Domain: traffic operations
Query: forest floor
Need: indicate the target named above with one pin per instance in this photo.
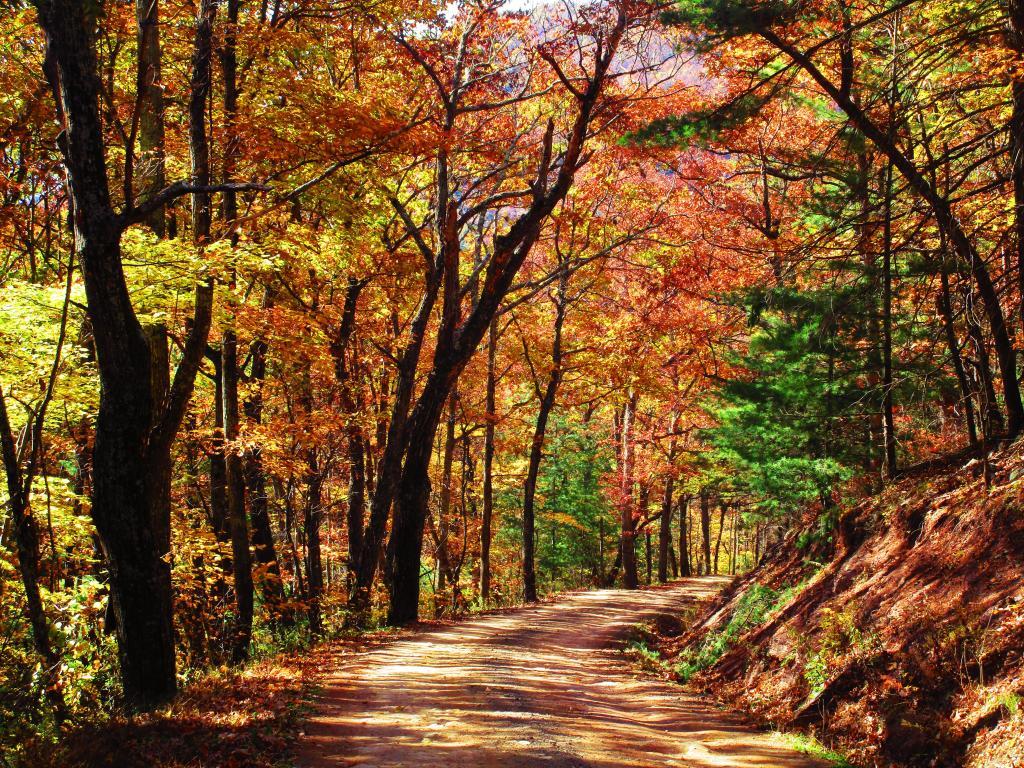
(540, 686)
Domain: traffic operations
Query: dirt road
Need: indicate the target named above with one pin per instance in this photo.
(541, 686)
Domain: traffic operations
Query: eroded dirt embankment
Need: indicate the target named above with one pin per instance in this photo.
(543, 686)
(904, 645)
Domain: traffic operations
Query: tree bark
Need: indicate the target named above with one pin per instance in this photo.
(627, 519)
(665, 530)
(133, 433)
(490, 417)
(547, 403)
(705, 531)
(685, 569)
(241, 559)
(151, 162)
(457, 340)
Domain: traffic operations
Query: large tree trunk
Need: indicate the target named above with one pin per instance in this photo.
(405, 547)
(389, 468)
(133, 434)
(457, 341)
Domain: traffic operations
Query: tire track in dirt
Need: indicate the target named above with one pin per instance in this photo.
(541, 686)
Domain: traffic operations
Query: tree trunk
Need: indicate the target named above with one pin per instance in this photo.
(888, 422)
(665, 531)
(649, 557)
(1015, 41)
(945, 309)
(685, 570)
(458, 339)
(241, 561)
(547, 403)
(271, 584)
(314, 561)
(944, 217)
(629, 571)
(723, 509)
(490, 417)
(344, 365)
(735, 541)
(442, 560)
(151, 166)
(705, 531)
(313, 517)
(219, 519)
(992, 417)
(26, 537)
(133, 434)
(389, 468)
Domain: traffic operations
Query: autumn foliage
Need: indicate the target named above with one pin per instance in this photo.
(321, 316)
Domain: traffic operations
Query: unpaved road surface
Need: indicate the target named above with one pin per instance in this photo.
(543, 686)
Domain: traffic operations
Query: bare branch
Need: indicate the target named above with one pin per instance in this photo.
(178, 189)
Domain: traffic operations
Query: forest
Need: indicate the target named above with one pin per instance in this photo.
(328, 321)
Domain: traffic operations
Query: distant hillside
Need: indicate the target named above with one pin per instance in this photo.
(904, 645)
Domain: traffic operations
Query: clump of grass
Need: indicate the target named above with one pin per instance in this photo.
(756, 604)
(809, 745)
(638, 647)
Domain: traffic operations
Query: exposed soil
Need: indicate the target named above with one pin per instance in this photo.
(912, 629)
(543, 686)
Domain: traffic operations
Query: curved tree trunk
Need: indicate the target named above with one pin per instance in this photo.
(944, 217)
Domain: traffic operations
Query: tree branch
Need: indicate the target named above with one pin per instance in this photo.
(169, 194)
